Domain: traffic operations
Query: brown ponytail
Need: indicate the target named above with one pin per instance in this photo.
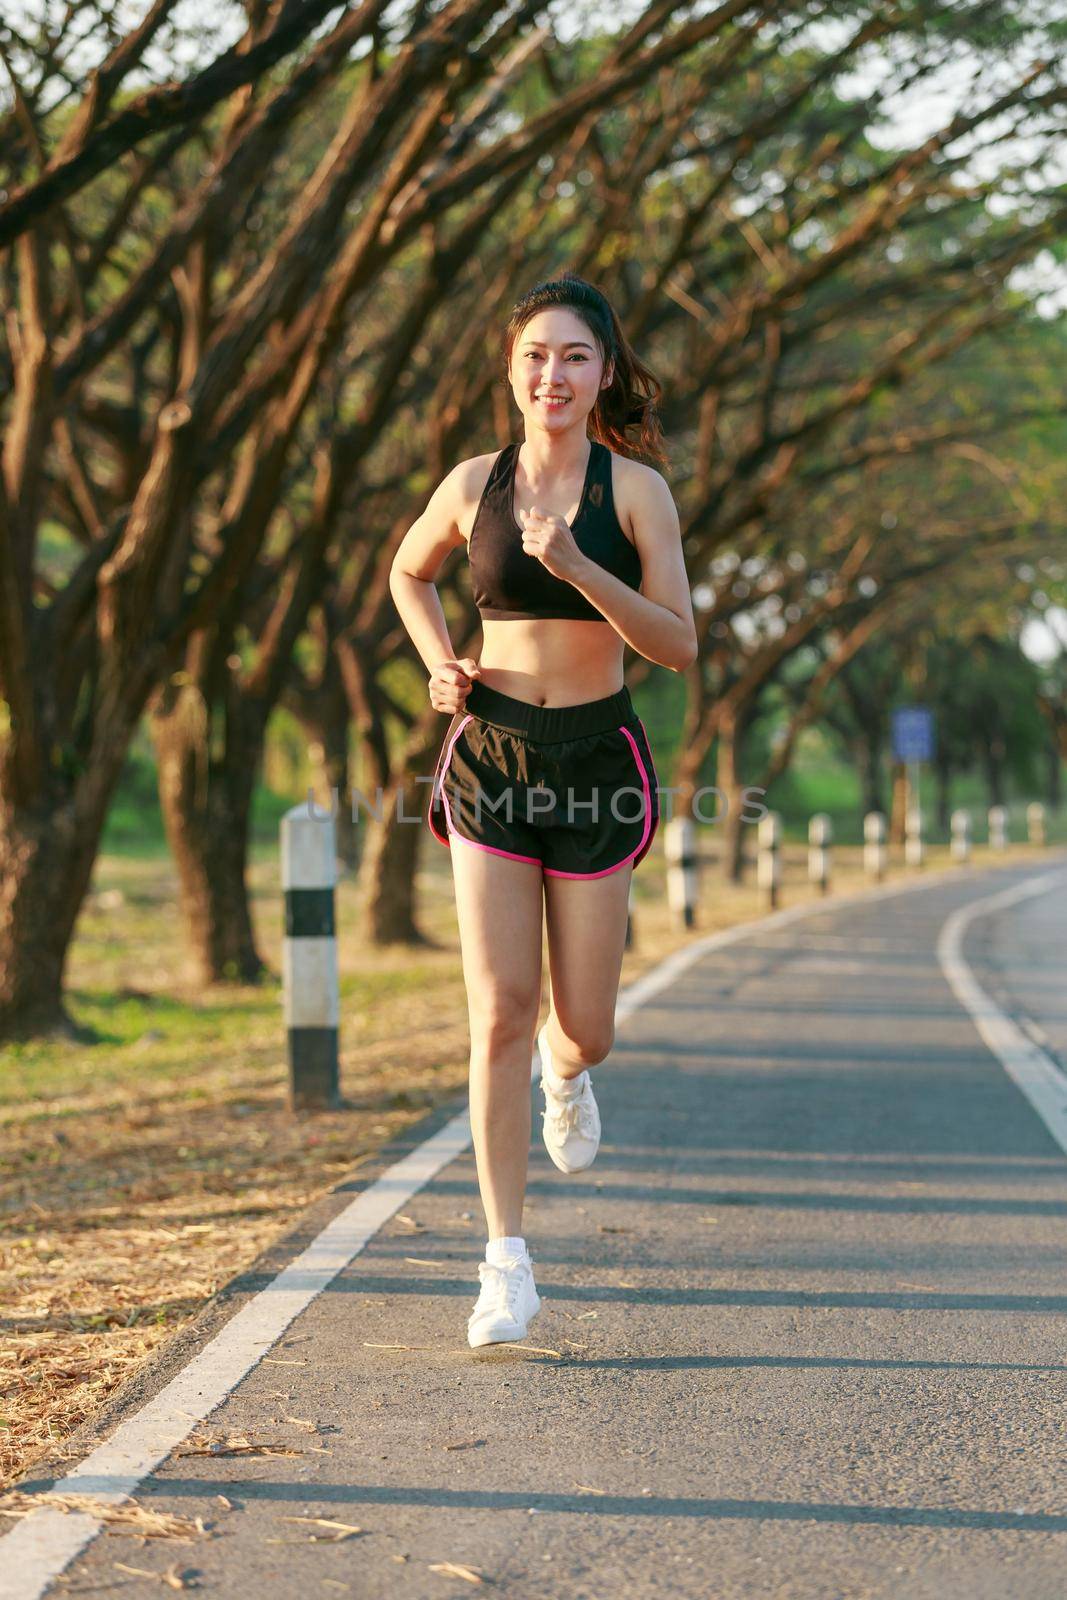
(629, 403)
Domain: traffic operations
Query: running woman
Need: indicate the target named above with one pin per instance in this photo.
(545, 786)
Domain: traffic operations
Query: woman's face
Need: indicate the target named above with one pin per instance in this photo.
(556, 355)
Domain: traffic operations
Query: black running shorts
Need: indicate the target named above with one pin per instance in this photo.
(569, 788)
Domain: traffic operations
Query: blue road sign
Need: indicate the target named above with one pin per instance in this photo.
(913, 733)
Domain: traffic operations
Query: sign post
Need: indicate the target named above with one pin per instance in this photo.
(913, 742)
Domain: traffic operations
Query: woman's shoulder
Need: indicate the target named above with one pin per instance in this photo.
(470, 479)
(475, 467)
(628, 469)
(633, 485)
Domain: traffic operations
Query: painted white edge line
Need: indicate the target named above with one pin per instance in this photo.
(1022, 1058)
(44, 1542)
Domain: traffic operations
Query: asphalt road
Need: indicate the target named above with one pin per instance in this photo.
(808, 1303)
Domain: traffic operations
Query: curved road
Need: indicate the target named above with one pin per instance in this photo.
(808, 1307)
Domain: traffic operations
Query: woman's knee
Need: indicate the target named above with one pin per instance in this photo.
(504, 1014)
(592, 1038)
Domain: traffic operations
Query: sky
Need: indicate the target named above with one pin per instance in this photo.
(1042, 642)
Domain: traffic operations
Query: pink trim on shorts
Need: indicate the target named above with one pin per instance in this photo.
(429, 822)
(437, 787)
(450, 825)
(554, 872)
(648, 741)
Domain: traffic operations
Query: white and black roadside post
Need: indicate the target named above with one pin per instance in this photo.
(875, 854)
(680, 847)
(914, 854)
(309, 964)
(769, 857)
(820, 836)
(961, 836)
(998, 827)
(1035, 822)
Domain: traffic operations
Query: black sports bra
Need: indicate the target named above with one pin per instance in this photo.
(508, 582)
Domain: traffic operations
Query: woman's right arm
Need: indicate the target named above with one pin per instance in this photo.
(412, 576)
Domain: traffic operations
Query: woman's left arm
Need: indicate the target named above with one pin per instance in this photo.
(657, 622)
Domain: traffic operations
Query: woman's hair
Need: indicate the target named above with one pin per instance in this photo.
(629, 401)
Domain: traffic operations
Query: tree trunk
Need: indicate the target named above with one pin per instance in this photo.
(728, 782)
(326, 717)
(46, 865)
(993, 761)
(943, 769)
(868, 760)
(390, 859)
(206, 806)
(335, 759)
(1054, 778)
(898, 812)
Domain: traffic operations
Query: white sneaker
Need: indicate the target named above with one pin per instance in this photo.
(570, 1123)
(507, 1303)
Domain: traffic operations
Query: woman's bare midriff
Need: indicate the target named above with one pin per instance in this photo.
(551, 661)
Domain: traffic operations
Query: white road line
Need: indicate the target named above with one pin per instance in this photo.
(36, 1550)
(1022, 1058)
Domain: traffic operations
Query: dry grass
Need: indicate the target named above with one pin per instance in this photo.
(140, 1173)
(127, 1516)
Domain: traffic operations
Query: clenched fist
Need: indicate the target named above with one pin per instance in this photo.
(450, 683)
(549, 538)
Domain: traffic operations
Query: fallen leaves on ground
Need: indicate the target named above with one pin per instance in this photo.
(122, 1516)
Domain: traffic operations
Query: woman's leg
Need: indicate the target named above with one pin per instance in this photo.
(586, 922)
(498, 903)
